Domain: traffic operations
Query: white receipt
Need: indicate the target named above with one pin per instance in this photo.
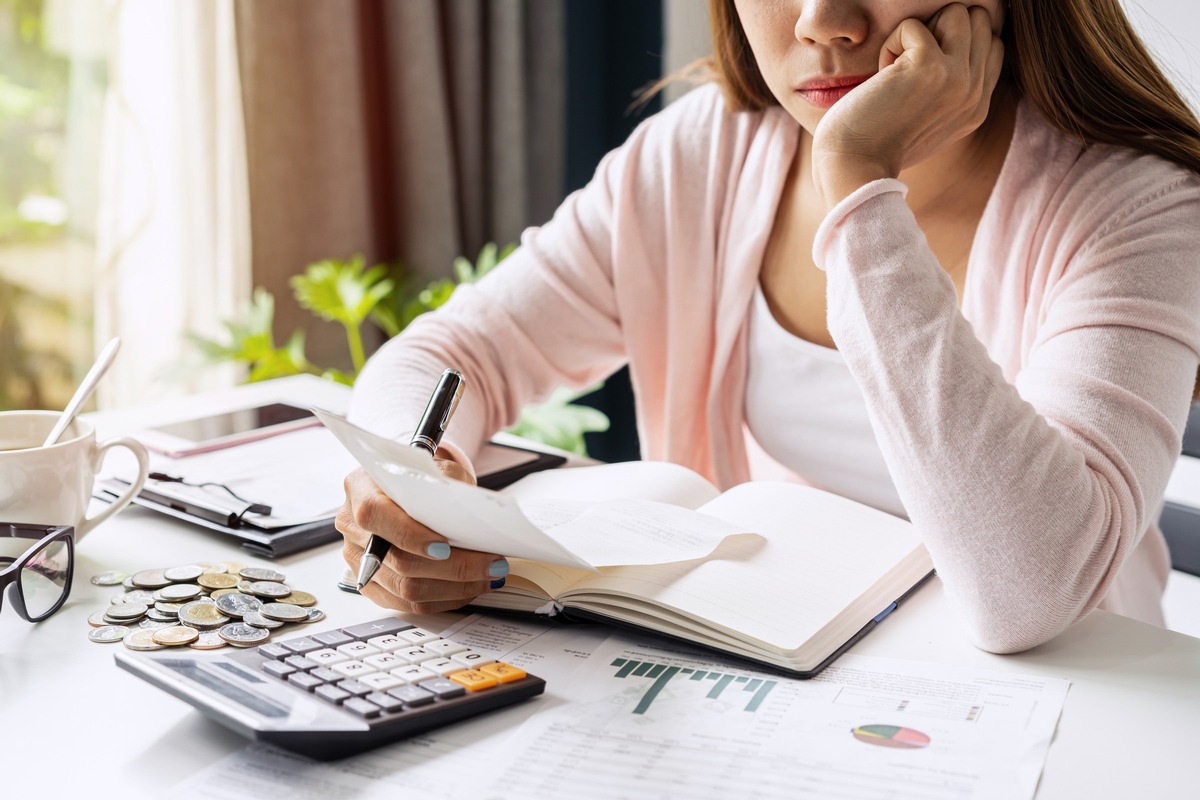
(585, 535)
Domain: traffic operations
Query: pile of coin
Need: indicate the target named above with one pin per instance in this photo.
(203, 605)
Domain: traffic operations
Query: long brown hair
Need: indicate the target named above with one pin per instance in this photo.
(1079, 62)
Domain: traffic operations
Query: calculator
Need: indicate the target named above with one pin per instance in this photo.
(332, 694)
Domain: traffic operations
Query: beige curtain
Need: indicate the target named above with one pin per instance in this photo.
(411, 130)
(172, 249)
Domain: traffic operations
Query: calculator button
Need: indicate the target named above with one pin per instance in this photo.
(354, 687)
(415, 655)
(301, 645)
(379, 627)
(357, 650)
(327, 675)
(301, 663)
(304, 681)
(387, 644)
(361, 707)
(444, 647)
(417, 635)
(442, 666)
(413, 696)
(474, 680)
(352, 669)
(332, 638)
(472, 659)
(278, 669)
(412, 674)
(384, 661)
(381, 681)
(386, 702)
(443, 688)
(274, 651)
(505, 673)
(327, 657)
(332, 694)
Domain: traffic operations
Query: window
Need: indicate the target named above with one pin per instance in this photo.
(52, 79)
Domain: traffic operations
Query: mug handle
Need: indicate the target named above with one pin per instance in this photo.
(143, 459)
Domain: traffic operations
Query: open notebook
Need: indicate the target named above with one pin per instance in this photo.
(782, 574)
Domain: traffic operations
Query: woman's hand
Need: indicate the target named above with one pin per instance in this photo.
(934, 86)
(421, 573)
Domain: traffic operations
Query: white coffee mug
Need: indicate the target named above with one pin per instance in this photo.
(53, 485)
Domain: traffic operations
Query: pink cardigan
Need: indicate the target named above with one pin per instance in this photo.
(1030, 435)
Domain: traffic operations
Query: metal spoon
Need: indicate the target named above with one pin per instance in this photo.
(84, 391)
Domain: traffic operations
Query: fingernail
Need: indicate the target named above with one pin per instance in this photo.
(499, 568)
(438, 550)
(497, 584)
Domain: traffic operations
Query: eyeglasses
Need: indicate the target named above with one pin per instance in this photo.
(39, 579)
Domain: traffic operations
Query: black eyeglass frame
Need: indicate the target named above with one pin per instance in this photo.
(11, 574)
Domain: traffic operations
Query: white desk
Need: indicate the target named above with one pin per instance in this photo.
(1127, 730)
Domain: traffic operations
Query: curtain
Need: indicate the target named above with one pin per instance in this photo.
(172, 221)
(404, 130)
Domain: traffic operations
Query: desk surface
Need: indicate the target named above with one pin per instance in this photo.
(1127, 730)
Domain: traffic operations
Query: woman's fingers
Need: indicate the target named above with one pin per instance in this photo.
(420, 595)
(369, 511)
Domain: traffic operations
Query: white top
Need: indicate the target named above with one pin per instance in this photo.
(806, 411)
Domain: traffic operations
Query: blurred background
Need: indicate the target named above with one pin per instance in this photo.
(162, 161)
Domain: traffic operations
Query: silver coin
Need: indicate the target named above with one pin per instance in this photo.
(239, 633)
(235, 605)
(109, 633)
(314, 615)
(158, 616)
(184, 574)
(167, 608)
(153, 624)
(150, 579)
(179, 592)
(110, 578)
(202, 615)
(97, 620)
(126, 611)
(128, 584)
(140, 596)
(268, 589)
(261, 574)
(256, 619)
(212, 569)
(284, 612)
(141, 640)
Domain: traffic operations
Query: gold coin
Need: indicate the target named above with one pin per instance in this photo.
(209, 640)
(218, 592)
(97, 620)
(299, 598)
(233, 566)
(176, 635)
(217, 580)
(211, 569)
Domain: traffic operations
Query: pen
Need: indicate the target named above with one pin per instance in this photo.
(427, 437)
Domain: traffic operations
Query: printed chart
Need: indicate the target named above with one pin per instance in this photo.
(649, 721)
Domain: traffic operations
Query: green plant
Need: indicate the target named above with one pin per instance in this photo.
(352, 295)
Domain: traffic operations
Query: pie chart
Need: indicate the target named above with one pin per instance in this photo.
(891, 736)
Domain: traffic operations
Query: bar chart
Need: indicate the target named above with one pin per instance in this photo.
(715, 682)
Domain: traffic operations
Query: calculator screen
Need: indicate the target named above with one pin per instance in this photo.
(260, 705)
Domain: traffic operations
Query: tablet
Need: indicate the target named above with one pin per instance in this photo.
(213, 432)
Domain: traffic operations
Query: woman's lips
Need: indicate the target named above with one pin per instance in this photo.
(825, 93)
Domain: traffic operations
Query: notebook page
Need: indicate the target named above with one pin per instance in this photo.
(821, 553)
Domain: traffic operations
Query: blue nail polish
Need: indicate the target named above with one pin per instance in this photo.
(439, 550)
(499, 568)
(499, 583)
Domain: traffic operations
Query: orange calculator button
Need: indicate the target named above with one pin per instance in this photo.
(475, 680)
(505, 673)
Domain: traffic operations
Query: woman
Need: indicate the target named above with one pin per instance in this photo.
(991, 211)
